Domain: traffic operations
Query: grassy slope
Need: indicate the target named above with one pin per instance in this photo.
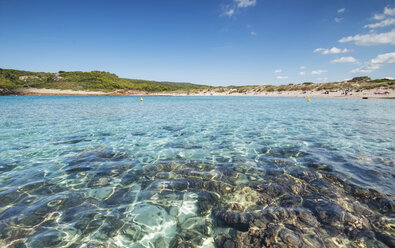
(104, 81)
(77, 80)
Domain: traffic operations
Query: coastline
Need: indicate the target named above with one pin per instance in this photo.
(372, 93)
(49, 92)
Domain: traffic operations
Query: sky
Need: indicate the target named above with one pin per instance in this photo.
(214, 42)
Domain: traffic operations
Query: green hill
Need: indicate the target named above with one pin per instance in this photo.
(77, 80)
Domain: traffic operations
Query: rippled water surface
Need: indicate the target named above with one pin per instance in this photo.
(104, 171)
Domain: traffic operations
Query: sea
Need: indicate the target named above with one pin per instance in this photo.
(114, 171)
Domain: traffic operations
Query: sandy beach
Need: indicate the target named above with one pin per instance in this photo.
(373, 93)
(37, 91)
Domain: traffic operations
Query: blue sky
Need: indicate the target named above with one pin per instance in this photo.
(216, 42)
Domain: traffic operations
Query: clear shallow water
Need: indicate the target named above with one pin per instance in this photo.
(196, 171)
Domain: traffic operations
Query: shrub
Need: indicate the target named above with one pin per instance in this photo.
(360, 79)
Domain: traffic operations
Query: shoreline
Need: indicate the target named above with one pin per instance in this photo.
(372, 93)
(369, 94)
(52, 92)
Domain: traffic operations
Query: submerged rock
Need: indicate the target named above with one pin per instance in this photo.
(100, 155)
(270, 201)
(51, 238)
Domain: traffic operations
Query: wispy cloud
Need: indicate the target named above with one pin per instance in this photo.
(339, 11)
(386, 18)
(231, 9)
(345, 60)
(229, 12)
(282, 77)
(278, 71)
(302, 73)
(333, 50)
(371, 39)
(379, 16)
(383, 23)
(253, 33)
(245, 3)
(387, 12)
(376, 63)
(302, 67)
(374, 38)
(318, 72)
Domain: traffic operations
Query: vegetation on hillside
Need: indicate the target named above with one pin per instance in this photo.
(108, 82)
(77, 80)
(358, 83)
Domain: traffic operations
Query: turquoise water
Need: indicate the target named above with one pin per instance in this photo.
(110, 171)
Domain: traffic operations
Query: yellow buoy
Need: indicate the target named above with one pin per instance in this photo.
(308, 99)
(141, 99)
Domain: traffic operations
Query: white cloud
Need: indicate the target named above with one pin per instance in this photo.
(374, 38)
(345, 60)
(318, 72)
(384, 23)
(245, 3)
(253, 33)
(282, 77)
(379, 16)
(371, 39)
(387, 12)
(338, 19)
(278, 71)
(341, 10)
(365, 69)
(229, 12)
(231, 9)
(302, 67)
(333, 50)
(376, 63)
(302, 73)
